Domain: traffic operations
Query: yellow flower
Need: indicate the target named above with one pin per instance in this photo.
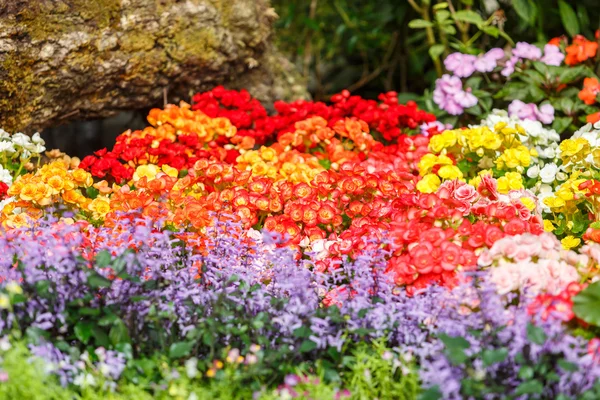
(170, 171)
(572, 147)
(149, 171)
(82, 177)
(450, 172)
(569, 242)
(4, 301)
(211, 373)
(548, 226)
(268, 153)
(56, 183)
(14, 288)
(528, 202)
(429, 183)
(554, 202)
(100, 206)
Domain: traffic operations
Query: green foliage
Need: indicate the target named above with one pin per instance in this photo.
(375, 46)
(586, 305)
(27, 378)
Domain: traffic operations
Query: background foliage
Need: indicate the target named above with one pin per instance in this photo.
(375, 46)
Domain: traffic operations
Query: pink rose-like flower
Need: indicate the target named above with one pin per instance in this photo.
(552, 55)
(465, 193)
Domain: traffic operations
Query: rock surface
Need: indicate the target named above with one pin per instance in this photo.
(78, 59)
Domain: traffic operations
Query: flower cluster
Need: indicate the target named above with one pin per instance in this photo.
(531, 264)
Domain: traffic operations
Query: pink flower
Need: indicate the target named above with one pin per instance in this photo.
(552, 55)
(488, 61)
(527, 51)
(461, 64)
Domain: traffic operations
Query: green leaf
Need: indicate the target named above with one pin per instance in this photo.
(530, 387)
(92, 192)
(468, 16)
(560, 124)
(570, 74)
(568, 18)
(83, 331)
(302, 332)
(100, 337)
(526, 372)
(419, 24)
(526, 10)
(586, 304)
(96, 280)
(491, 30)
(103, 258)
(491, 357)
(307, 345)
(567, 366)
(119, 334)
(436, 51)
(325, 164)
(431, 394)
(455, 348)
(442, 15)
(180, 349)
(535, 334)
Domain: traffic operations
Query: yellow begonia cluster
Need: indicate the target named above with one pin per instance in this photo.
(53, 183)
(480, 146)
(568, 195)
(288, 165)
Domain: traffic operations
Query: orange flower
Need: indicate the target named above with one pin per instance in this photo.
(591, 87)
(593, 118)
(580, 50)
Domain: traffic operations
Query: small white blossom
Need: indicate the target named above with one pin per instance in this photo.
(548, 173)
(533, 171)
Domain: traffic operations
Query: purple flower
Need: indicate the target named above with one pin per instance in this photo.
(545, 114)
(552, 55)
(461, 64)
(509, 66)
(488, 61)
(527, 51)
(450, 96)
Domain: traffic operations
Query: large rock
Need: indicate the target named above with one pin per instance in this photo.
(80, 59)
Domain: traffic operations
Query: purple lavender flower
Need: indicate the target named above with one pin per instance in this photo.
(461, 64)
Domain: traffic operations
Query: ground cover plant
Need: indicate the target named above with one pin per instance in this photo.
(350, 249)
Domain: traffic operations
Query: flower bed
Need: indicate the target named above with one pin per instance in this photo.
(357, 249)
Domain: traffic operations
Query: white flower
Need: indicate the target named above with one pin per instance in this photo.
(7, 147)
(191, 367)
(84, 380)
(37, 139)
(533, 171)
(5, 176)
(4, 134)
(35, 148)
(548, 173)
(5, 344)
(21, 139)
